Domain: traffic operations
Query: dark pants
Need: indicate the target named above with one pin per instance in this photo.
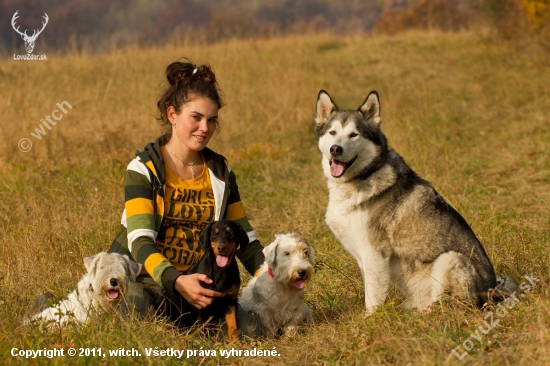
(146, 297)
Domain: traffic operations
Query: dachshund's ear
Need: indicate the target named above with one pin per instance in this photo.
(244, 240)
(204, 238)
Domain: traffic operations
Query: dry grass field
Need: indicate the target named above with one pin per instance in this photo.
(466, 112)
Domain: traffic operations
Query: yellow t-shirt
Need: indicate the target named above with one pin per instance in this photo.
(188, 209)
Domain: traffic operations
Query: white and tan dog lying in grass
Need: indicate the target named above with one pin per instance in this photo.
(276, 294)
(100, 289)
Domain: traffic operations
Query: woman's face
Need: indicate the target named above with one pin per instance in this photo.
(195, 124)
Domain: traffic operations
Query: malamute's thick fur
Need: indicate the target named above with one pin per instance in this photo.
(400, 230)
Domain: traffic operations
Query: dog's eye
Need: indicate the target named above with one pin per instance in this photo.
(287, 253)
(332, 133)
(352, 135)
(306, 254)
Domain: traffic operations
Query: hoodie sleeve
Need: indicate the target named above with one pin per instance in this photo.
(139, 218)
(253, 257)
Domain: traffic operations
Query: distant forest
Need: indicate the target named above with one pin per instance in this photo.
(99, 25)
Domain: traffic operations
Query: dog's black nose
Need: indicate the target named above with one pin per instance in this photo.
(336, 150)
(302, 272)
(113, 282)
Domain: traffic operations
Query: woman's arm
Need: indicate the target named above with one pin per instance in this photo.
(139, 219)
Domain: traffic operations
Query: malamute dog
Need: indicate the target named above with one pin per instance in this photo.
(400, 230)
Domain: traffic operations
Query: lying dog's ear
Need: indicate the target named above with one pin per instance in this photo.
(270, 253)
(88, 262)
(243, 237)
(204, 238)
(134, 267)
(91, 262)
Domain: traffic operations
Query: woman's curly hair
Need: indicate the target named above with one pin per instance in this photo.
(185, 81)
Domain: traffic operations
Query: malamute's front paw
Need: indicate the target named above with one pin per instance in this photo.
(370, 311)
(428, 309)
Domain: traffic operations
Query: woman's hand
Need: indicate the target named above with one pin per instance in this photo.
(190, 288)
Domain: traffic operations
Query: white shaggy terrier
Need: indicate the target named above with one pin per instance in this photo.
(276, 294)
(101, 288)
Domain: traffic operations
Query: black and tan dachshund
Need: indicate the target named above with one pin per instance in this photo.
(220, 241)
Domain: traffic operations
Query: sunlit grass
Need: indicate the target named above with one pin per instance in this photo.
(466, 113)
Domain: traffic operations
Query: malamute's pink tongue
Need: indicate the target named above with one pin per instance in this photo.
(300, 284)
(221, 261)
(112, 294)
(337, 168)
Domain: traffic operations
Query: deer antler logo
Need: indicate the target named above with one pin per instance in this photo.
(29, 41)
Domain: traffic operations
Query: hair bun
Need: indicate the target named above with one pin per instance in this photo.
(206, 74)
(185, 73)
(179, 73)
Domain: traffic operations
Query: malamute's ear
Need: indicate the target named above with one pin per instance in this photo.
(325, 107)
(371, 108)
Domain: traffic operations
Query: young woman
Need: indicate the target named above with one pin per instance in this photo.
(173, 189)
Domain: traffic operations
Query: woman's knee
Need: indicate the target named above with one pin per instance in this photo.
(248, 323)
(138, 299)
